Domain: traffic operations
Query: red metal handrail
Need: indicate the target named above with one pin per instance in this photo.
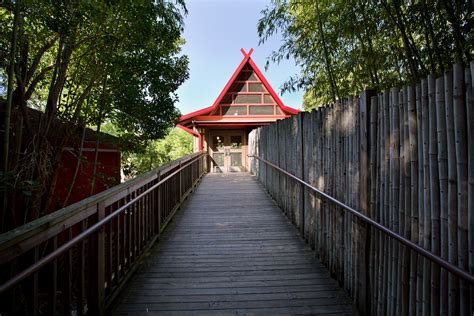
(420, 250)
(68, 245)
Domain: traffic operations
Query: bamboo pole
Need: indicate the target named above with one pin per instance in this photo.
(443, 190)
(427, 204)
(460, 135)
(335, 165)
(453, 286)
(350, 171)
(470, 168)
(419, 289)
(394, 195)
(337, 190)
(380, 196)
(385, 295)
(405, 296)
(373, 197)
(401, 201)
(330, 161)
(328, 185)
(354, 192)
(317, 152)
(319, 177)
(413, 140)
(325, 143)
(344, 188)
(434, 193)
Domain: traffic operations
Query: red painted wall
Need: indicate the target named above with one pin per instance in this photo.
(108, 173)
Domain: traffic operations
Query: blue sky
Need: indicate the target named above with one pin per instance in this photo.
(215, 30)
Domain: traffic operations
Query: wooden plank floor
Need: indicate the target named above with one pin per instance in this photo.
(230, 250)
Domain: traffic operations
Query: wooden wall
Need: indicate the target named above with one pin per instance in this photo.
(405, 158)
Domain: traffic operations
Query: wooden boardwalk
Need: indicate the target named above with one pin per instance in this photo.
(230, 250)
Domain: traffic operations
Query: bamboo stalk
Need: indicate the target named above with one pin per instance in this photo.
(434, 193)
(401, 201)
(443, 189)
(373, 198)
(427, 204)
(419, 118)
(386, 263)
(394, 195)
(344, 190)
(413, 140)
(470, 168)
(337, 190)
(355, 193)
(319, 178)
(405, 295)
(330, 134)
(460, 135)
(325, 143)
(453, 286)
(348, 170)
(380, 185)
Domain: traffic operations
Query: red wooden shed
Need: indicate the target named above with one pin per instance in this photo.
(246, 102)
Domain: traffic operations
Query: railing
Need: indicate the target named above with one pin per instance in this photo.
(420, 250)
(76, 260)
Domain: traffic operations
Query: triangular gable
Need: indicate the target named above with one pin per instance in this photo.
(247, 86)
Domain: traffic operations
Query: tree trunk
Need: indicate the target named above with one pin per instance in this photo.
(8, 108)
(76, 170)
(327, 58)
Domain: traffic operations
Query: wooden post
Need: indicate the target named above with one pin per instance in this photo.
(158, 205)
(363, 275)
(180, 184)
(300, 168)
(96, 295)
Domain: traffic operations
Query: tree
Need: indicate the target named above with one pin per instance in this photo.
(176, 144)
(83, 63)
(344, 47)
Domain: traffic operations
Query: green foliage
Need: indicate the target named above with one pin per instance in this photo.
(91, 61)
(86, 62)
(364, 44)
(176, 144)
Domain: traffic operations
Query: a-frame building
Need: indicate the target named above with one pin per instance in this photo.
(246, 102)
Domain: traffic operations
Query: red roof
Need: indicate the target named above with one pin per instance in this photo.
(247, 60)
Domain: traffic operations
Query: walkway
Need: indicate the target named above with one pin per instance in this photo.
(230, 250)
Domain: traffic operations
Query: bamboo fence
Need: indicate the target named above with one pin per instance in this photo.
(405, 158)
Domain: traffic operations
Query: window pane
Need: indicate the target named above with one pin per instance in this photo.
(218, 141)
(261, 110)
(247, 98)
(234, 110)
(218, 159)
(236, 142)
(236, 159)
